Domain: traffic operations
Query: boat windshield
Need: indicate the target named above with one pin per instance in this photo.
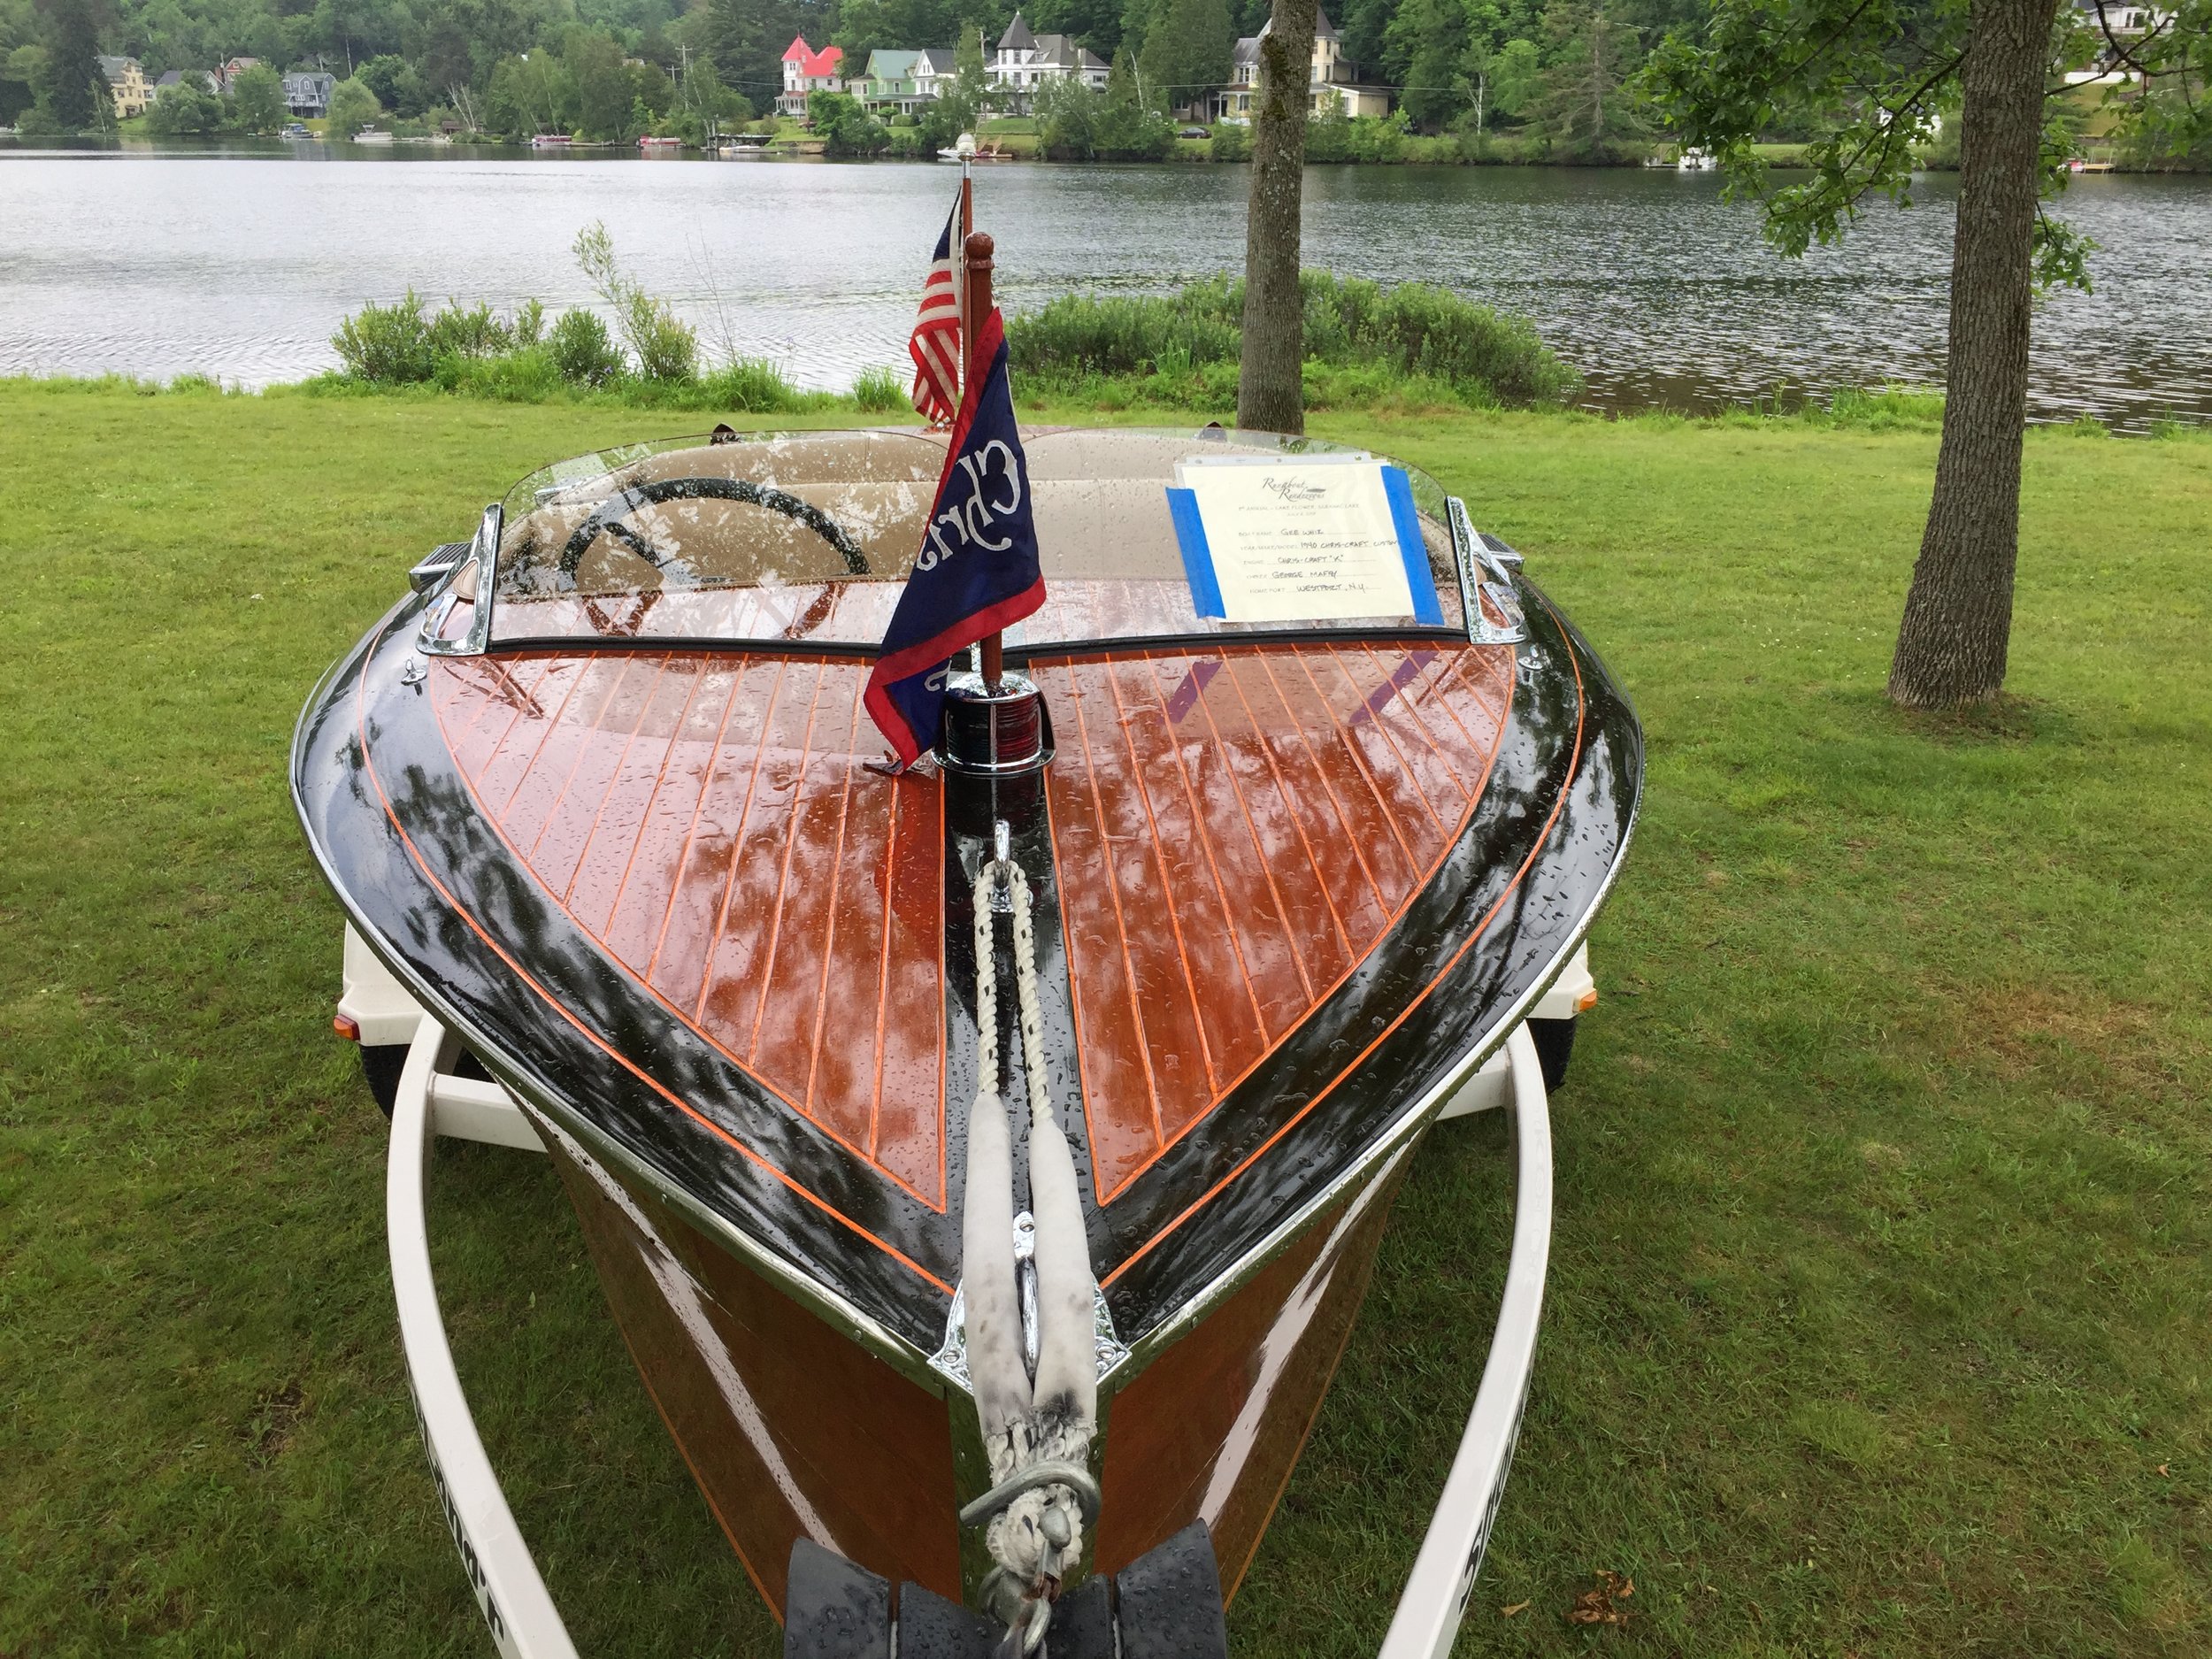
(805, 538)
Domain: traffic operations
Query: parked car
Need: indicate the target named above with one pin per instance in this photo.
(1194, 131)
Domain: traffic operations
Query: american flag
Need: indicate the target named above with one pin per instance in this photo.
(935, 343)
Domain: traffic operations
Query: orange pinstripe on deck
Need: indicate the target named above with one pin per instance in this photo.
(705, 818)
(1234, 832)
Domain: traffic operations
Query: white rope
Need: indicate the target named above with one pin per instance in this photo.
(1049, 1419)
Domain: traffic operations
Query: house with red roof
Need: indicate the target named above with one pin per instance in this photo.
(806, 70)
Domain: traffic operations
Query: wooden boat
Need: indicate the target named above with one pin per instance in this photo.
(605, 812)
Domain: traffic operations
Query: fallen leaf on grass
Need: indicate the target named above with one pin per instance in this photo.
(1602, 1606)
(2166, 1469)
(1518, 1607)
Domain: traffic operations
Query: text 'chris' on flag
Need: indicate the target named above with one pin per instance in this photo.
(976, 571)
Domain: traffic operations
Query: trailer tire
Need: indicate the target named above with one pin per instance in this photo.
(380, 1067)
(1555, 1041)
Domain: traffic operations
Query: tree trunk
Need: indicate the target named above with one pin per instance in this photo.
(1271, 393)
(1952, 644)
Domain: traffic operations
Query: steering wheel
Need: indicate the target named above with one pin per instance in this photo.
(609, 516)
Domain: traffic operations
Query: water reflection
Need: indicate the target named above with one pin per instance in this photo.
(240, 265)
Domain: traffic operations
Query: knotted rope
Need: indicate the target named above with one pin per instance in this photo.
(1037, 1429)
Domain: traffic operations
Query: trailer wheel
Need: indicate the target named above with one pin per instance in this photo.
(381, 1066)
(1555, 1041)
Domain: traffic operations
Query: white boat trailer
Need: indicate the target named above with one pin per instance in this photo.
(517, 1610)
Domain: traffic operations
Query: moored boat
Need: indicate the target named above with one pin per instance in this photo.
(1234, 897)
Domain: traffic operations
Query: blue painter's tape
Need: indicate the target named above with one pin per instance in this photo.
(1198, 559)
(1413, 546)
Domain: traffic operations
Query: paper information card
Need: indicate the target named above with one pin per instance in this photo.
(1304, 541)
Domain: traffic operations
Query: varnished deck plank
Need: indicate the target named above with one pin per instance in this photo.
(1249, 833)
(706, 819)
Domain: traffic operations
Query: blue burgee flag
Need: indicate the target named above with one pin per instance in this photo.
(976, 571)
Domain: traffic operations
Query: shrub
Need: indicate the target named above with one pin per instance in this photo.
(666, 347)
(1886, 408)
(387, 345)
(1080, 334)
(583, 352)
(188, 108)
(753, 386)
(1190, 343)
(879, 391)
(1232, 141)
(528, 374)
(846, 128)
(474, 332)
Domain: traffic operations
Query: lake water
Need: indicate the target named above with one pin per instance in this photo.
(240, 265)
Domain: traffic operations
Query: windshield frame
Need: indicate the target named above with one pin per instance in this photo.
(543, 484)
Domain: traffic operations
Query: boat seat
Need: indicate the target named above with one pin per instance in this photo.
(1164, 1605)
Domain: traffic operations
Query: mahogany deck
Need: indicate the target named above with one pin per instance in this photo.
(706, 819)
(1233, 829)
(1251, 822)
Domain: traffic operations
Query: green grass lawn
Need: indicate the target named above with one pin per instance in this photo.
(1877, 1320)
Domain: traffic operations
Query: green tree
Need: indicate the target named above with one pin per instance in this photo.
(1067, 118)
(75, 93)
(530, 95)
(258, 100)
(352, 107)
(968, 74)
(603, 87)
(1091, 24)
(1431, 38)
(838, 118)
(1188, 50)
(1128, 129)
(1877, 74)
(22, 72)
(183, 110)
(1516, 78)
(398, 87)
(1584, 109)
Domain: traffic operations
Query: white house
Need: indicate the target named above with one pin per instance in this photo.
(1026, 61)
(1333, 75)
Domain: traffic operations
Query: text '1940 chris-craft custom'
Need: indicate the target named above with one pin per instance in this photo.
(1230, 894)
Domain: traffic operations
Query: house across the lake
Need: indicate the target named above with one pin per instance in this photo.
(903, 83)
(127, 84)
(1333, 84)
(307, 94)
(227, 77)
(806, 71)
(198, 79)
(1026, 61)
